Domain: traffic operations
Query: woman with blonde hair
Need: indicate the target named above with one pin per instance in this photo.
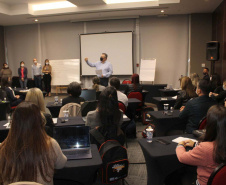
(28, 153)
(35, 96)
(195, 79)
(186, 93)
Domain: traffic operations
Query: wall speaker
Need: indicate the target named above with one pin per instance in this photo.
(212, 50)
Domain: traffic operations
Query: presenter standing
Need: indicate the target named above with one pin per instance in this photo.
(47, 69)
(103, 65)
(36, 72)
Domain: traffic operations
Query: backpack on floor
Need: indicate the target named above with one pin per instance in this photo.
(146, 118)
(114, 157)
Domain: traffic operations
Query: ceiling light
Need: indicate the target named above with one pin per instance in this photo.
(55, 5)
(126, 1)
(162, 11)
(36, 20)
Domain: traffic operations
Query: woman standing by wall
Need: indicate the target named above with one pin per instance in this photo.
(22, 72)
(47, 69)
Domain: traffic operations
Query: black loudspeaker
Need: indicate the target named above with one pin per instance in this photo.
(212, 50)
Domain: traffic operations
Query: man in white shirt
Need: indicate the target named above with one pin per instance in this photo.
(115, 82)
(36, 73)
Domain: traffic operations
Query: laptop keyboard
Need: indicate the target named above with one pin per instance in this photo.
(77, 152)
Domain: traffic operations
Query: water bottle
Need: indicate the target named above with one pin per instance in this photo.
(166, 108)
(171, 109)
(61, 101)
(56, 99)
(149, 132)
(66, 115)
(9, 121)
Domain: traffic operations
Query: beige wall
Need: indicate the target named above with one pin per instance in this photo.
(201, 33)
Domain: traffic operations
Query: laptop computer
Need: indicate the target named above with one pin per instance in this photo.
(89, 94)
(74, 141)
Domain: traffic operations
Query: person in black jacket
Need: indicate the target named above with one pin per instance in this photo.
(135, 86)
(219, 94)
(197, 108)
(22, 72)
(13, 99)
(186, 93)
(74, 90)
(206, 74)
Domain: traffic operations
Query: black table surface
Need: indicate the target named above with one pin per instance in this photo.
(160, 115)
(164, 99)
(161, 159)
(165, 123)
(133, 100)
(82, 170)
(168, 92)
(71, 121)
(3, 122)
(159, 101)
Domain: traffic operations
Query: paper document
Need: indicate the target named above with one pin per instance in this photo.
(54, 120)
(6, 125)
(174, 97)
(99, 72)
(124, 116)
(179, 139)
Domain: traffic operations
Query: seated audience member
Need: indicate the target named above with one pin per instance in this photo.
(206, 74)
(215, 81)
(74, 91)
(197, 108)
(96, 84)
(13, 99)
(28, 153)
(195, 79)
(186, 93)
(135, 86)
(107, 118)
(219, 94)
(115, 82)
(35, 96)
(209, 153)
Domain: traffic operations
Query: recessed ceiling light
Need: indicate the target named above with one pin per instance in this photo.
(55, 5)
(126, 1)
(162, 11)
(36, 20)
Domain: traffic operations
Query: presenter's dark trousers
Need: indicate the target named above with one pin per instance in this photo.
(47, 82)
(38, 81)
(104, 81)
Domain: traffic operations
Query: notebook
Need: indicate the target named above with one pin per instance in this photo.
(74, 141)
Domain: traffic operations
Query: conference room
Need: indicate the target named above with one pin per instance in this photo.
(161, 41)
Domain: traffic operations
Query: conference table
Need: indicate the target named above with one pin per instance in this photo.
(23, 92)
(169, 92)
(55, 108)
(4, 108)
(83, 171)
(161, 159)
(166, 122)
(160, 101)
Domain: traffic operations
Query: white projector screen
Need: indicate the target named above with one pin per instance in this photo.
(118, 46)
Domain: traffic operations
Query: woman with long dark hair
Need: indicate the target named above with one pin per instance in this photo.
(187, 92)
(135, 86)
(47, 69)
(28, 153)
(107, 117)
(211, 152)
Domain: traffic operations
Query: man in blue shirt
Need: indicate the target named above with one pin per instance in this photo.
(103, 65)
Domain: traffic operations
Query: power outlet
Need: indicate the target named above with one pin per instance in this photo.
(203, 65)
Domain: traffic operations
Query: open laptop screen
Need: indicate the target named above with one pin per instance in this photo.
(89, 95)
(72, 136)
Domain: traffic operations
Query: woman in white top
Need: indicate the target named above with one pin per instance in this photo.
(28, 153)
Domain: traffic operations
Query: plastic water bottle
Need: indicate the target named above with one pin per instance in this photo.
(149, 132)
(56, 99)
(171, 109)
(9, 121)
(66, 114)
